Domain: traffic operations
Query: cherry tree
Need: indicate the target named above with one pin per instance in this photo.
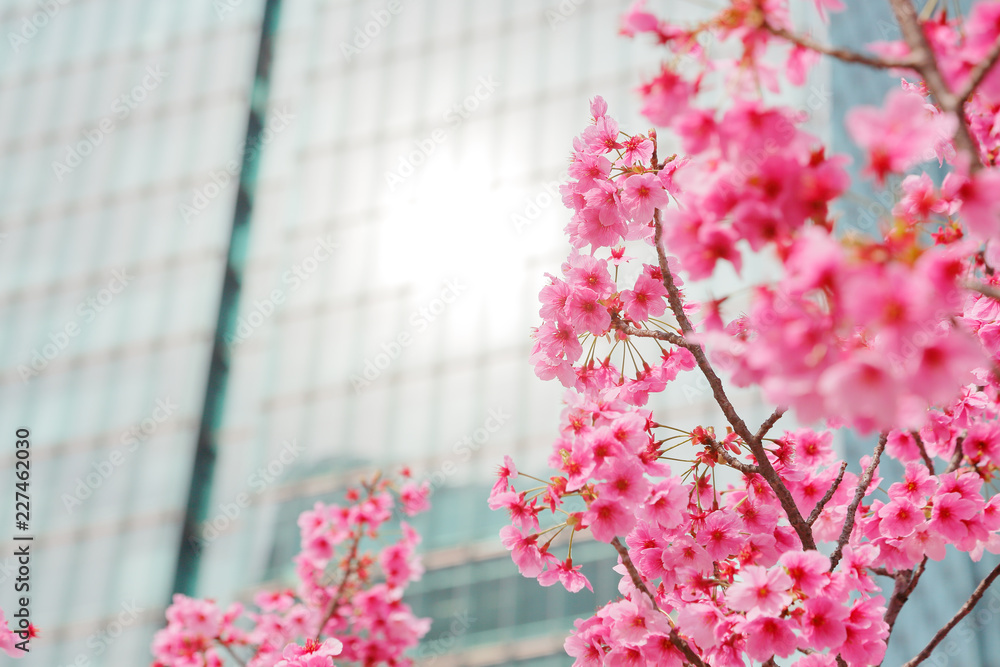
(749, 546)
(347, 604)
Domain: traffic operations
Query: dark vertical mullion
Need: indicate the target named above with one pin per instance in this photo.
(186, 574)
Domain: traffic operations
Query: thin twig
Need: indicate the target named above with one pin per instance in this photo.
(852, 509)
(230, 651)
(731, 461)
(962, 613)
(985, 290)
(668, 336)
(979, 72)
(814, 515)
(634, 573)
(769, 422)
(351, 562)
(928, 461)
(637, 581)
(680, 341)
(956, 458)
(844, 55)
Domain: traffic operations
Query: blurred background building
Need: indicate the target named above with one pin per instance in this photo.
(255, 248)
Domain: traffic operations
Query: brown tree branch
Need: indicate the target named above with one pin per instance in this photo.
(979, 73)
(985, 290)
(844, 55)
(668, 336)
(637, 581)
(928, 461)
(898, 597)
(852, 509)
(962, 613)
(906, 583)
(767, 471)
(768, 423)
(925, 64)
(814, 515)
(956, 458)
(230, 651)
(634, 573)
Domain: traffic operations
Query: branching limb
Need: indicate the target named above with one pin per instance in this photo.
(731, 461)
(668, 336)
(925, 64)
(769, 422)
(852, 509)
(767, 471)
(906, 583)
(962, 613)
(896, 600)
(979, 73)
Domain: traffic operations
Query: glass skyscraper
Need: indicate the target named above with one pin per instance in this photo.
(255, 248)
(113, 113)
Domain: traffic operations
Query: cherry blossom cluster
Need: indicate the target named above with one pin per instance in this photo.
(346, 606)
(867, 335)
(745, 546)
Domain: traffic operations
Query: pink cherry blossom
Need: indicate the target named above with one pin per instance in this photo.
(895, 331)
(566, 574)
(609, 518)
(768, 636)
(761, 589)
(642, 194)
(902, 134)
(823, 623)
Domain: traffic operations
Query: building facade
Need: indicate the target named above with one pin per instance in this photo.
(256, 248)
(112, 114)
